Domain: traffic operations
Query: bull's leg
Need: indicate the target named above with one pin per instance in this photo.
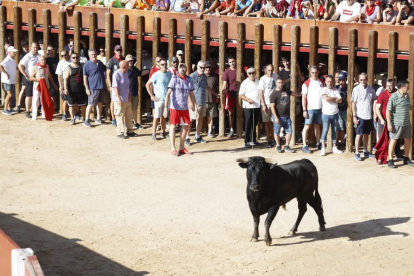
(318, 209)
(270, 216)
(302, 211)
(255, 236)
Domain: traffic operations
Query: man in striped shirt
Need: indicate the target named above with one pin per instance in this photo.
(398, 122)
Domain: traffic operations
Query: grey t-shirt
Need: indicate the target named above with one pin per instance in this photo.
(200, 84)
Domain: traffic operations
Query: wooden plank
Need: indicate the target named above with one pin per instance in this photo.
(124, 32)
(411, 92)
(171, 40)
(32, 22)
(372, 52)
(287, 28)
(353, 36)
(140, 41)
(46, 28)
(109, 29)
(9, 5)
(294, 79)
(333, 40)
(2, 31)
(392, 48)
(276, 47)
(156, 39)
(240, 76)
(313, 46)
(222, 53)
(92, 30)
(258, 40)
(17, 37)
(77, 17)
(205, 40)
(188, 44)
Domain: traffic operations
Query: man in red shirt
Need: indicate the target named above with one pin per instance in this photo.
(230, 89)
(381, 106)
(226, 7)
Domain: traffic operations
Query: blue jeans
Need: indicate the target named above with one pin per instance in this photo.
(284, 122)
(326, 121)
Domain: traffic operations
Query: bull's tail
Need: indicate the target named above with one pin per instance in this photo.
(319, 200)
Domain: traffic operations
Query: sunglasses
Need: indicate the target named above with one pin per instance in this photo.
(64, 55)
(163, 64)
(74, 57)
(202, 68)
(251, 73)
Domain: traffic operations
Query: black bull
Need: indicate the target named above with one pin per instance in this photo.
(270, 186)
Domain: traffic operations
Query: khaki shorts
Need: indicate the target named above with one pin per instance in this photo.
(134, 102)
(201, 112)
(400, 132)
(211, 110)
(158, 109)
(266, 117)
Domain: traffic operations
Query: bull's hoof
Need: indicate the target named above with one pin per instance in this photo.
(254, 240)
(269, 242)
(292, 233)
(322, 228)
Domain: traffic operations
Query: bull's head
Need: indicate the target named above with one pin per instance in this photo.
(258, 169)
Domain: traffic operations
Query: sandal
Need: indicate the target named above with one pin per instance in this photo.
(174, 152)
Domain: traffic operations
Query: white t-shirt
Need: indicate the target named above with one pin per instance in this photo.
(29, 61)
(268, 85)
(314, 94)
(347, 12)
(364, 98)
(9, 65)
(330, 108)
(41, 52)
(380, 90)
(251, 90)
(61, 67)
(373, 15)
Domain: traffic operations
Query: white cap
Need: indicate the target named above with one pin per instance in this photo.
(180, 52)
(11, 49)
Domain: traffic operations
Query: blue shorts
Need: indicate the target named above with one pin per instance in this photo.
(364, 126)
(341, 124)
(9, 87)
(314, 117)
(285, 122)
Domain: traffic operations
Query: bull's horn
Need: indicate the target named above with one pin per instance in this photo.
(270, 161)
(241, 160)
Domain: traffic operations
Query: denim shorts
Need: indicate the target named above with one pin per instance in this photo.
(285, 122)
(341, 124)
(314, 117)
(9, 87)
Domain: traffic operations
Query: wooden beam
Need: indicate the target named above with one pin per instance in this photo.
(156, 39)
(46, 28)
(205, 40)
(313, 46)
(294, 79)
(240, 76)
(411, 92)
(92, 31)
(372, 53)
(140, 42)
(276, 47)
(392, 49)
(172, 45)
(124, 33)
(222, 53)
(353, 36)
(31, 26)
(258, 31)
(333, 43)
(77, 23)
(188, 44)
(2, 31)
(17, 37)
(109, 29)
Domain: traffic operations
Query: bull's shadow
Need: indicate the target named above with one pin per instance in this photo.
(353, 231)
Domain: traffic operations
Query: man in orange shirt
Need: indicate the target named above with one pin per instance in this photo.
(226, 7)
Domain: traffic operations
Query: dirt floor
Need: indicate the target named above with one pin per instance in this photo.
(89, 203)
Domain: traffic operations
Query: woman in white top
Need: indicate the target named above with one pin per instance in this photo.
(389, 15)
(40, 71)
(308, 10)
(370, 13)
(330, 99)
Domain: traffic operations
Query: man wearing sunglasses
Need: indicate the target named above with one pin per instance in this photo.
(174, 68)
(112, 66)
(63, 63)
(102, 57)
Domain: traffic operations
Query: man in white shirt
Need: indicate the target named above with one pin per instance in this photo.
(60, 69)
(249, 93)
(267, 85)
(8, 78)
(25, 67)
(348, 10)
(312, 107)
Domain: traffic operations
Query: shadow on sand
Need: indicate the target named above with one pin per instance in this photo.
(59, 255)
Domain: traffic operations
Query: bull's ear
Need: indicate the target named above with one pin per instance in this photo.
(271, 166)
(243, 165)
(242, 162)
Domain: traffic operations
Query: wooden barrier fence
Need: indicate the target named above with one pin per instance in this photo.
(276, 35)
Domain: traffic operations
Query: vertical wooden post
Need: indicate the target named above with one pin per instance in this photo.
(140, 42)
(333, 32)
(294, 79)
(2, 40)
(156, 39)
(257, 63)
(109, 29)
(411, 92)
(171, 40)
(240, 76)
(31, 25)
(77, 23)
(353, 36)
(46, 28)
(205, 40)
(92, 30)
(62, 31)
(276, 47)
(372, 54)
(392, 48)
(222, 53)
(124, 33)
(314, 42)
(188, 44)
(17, 36)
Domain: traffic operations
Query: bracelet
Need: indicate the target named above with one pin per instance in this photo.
(305, 111)
(355, 116)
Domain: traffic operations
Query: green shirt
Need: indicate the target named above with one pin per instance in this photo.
(399, 106)
(83, 2)
(117, 3)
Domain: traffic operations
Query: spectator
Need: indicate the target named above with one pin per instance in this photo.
(102, 57)
(94, 80)
(161, 5)
(249, 93)
(389, 15)
(330, 99)
(60, 69)
(66, 4)
(256, 9)
(70, 47)
(281, 8)
(41, 50)
(112, 66)
(405, 15)
(122, 102)
(383, 86)
(348, 11)
(343, 106)
(212, 98)
(25, 50)
(337, 73)
(381, 105)
(270, 10)
(157, 87)
(178, 5)
(312, 107)
(281, 114)
(180, 89)
(267, 86)
(52, 62)
(74, 88)
(241, 6)
(230, 89)
(295, 10)
(308, 10)
(326, 9)
(398, 122)
(180, 56)
(25, 67)
(363, 97)
(226, 8)
(174, 68)
(207, 7)
(370, 13)
(8, 78)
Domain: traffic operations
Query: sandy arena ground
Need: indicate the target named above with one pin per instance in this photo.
(89, 203)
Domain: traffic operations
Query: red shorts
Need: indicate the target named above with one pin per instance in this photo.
(179, 117)
(231, 100)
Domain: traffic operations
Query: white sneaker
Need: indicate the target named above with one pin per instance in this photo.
(336, 150)
(323, 151)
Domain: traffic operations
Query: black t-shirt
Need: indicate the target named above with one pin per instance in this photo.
(52, 63)
(282, 101)
(113, 65)
(285, 75)
(343, 92)
(22, 54)
(133, 75)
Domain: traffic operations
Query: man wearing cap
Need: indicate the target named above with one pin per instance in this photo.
(25, 50)
(179, 89)
(343, 106)
(180, 56)
(8, 78)
(174, 66)
(112, 66)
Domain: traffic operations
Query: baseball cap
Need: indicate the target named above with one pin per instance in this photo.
(180, 52)
(11, 49)
(208, 64)
(251, 70)
(129, 58)
(174, 59)
(117, 48)
(342, 76)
